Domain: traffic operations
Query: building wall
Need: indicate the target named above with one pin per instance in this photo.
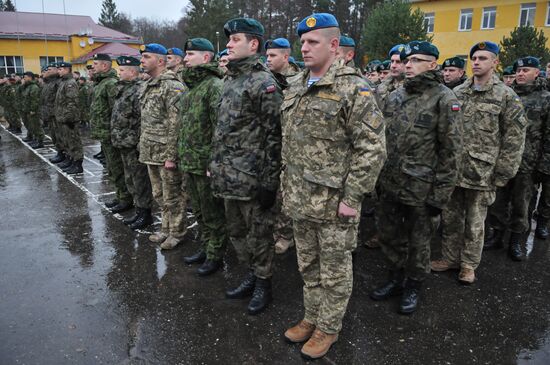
(451, 42)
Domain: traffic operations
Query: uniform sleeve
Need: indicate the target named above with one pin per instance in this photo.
(215, 92)
(172, 94)
(544, 161)
(366, 129)
(449, 140)
(71, 103)
(34, 101)
(513, 124)
(111, 92)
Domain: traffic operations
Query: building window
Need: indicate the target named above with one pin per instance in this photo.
(11, 65)
(465, 20)
(429, 20)
(46, 60)
(489, 18)
(527, 15)
(548, 15)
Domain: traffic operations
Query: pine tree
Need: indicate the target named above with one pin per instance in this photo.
(2, 5)
(522, 42)
(8, 6)
(109, 15)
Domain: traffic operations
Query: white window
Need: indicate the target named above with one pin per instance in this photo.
(527, 15)
(548, 15)
(46, 60)
(429, 20)
(11, 65)
(489, 18)
(465, 22)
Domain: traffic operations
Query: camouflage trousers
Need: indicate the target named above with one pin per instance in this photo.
(210, 214)
(325, 263)
(250, 229)
(136, 178)
(543, 206)
(463, 223)
(283, 223)
(511, 207)
(405, 234)
(13, 118)
(34, 126)
(54, 133)
(115, 170)
(169, 193)
(69, 136)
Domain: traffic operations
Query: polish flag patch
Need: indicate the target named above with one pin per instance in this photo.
(270, 89)
(455, 107)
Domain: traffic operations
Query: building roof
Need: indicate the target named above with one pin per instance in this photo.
(112, 49)
(26, 25)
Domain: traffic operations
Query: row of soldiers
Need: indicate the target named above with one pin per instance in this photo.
(266, 152)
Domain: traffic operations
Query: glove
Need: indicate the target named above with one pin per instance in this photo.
(266, 198)
(433, 211)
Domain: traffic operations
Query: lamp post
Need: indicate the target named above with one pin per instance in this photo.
(218, 40)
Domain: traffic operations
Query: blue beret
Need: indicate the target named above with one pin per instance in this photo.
(175, 51)
(64, 64)
(225, 52)
(199, 44)
(153, 48)
(453, 62)
(508, 71)
(102, 57)
(316, 21)
(277, 43)
(528, 61)
(244, 25)
(346, 41)
(419, 47)
(396, 49)
(485, 46)
(127, 61)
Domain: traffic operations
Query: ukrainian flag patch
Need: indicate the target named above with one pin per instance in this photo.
(365, 91)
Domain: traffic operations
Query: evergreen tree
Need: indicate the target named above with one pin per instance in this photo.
(522, 42)
(109, 14)
(8, 6)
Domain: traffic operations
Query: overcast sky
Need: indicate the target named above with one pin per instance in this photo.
(155, 9)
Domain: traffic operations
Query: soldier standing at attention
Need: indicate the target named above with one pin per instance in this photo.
(125, 131)
(47, 100)
(31, 109)
(174, 61)
(424, 140)
(222, 63)
(199, 115)
(84, 100)
(395, 78)
(66, 118)
(158, 144)
(333, 150)
(508, 75)
(453, 72)
(494, 134)
(246, 158)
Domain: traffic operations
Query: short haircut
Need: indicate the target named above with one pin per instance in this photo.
(331, 33)
(250, 37)
(76, 72)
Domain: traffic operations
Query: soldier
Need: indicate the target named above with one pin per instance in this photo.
(346, 50)
(394, 80)
(101, 109)
(222, 64)
(508, 76)
(66, 118)
(332, 158)
(494, 134)
(47, 112)
(372, 74)
(10, 102)
(125, 131)
(519, 190)
(31, 109)
(85, 95)
(383, 70)
(453, 72)
(174, 61)
(424, 141)
(198, 115)
(246, 156)
(158, 144)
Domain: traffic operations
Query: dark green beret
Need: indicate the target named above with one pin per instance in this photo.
(508, 71)
(64, 64)
(528, 61)
(198, 44)
(419, 47)
(89, 67)
(453, 62)
(102, 57)
(127, 61)
(28, 73)
(384, 66)
(52, 64)
(244, 25)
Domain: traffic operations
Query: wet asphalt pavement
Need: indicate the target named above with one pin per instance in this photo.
(79, 287)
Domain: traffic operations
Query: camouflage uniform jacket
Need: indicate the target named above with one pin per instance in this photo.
(126, 115)
(291, 70)
(66, 101)
(159, 119)
(10, 96)
(47, 97)
(31, 96)
(102, 104)
(84, 100)
(246, 147)
(333, 143)
(20, 98)
(385, 88)
(424, 141)
(494, 134)
(199, 115)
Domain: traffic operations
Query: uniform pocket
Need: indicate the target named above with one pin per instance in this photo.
(418, 181)
(322, 193)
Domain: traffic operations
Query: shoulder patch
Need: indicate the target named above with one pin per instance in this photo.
(270, 88)
(455, 107)
(365, 91)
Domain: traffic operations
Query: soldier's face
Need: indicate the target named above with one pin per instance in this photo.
(374, 76)
(418, 63)
(100, 66)
(451, 74)
(483, 62)
(172, 61)
(27, 79)
(195, 58)
(346, 53)
(222, 64)
(127, 73)
(384, 74)
(318, 49)
(240, 47)
(277, 59)
(396, 67)
(526, 75)
(509, 79)
(62, 71)
(149, 62)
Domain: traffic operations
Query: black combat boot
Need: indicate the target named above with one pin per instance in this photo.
(37, 144)
(245, 288)
(17, 131)
(261, 296)
(122, 207)
(99, 155)
(60, 157)
(209, 267)
(542, 229)
(66, 163)
(495, 241)
(392, 288)
(111, 204)
(143, 220)
(196, 258)
(131, 219)
(75, 168)
(28, 138)
(409, 299)
(514, 247)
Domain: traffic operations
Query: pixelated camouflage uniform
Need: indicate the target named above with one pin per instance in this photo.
(10, 106)
(31, 109)
(66, 117)
(47, 102)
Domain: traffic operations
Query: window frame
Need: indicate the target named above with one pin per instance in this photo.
(547, 22)
(521, 9)
(464, 12)
(432, 17)
(49, 59)
(488, 10)
(16, 68)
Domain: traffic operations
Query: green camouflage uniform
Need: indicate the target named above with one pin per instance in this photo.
(333, 150)
(47, 102)
(20, 101)
(198, 115)
(31, 109)
(10, 106)
(125, 130)
(246, 159)
(543, 172)
(494, 134)
(85, 96)
(159, 143)
(519, 190)
(424, 140)
(66, 117)
(451, 85)
(101, 109)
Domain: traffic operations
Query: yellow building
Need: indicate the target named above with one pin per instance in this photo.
(29, 41)
(458, 24)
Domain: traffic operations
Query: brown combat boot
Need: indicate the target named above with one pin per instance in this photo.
(442, 265)
(158, 237)
(170, 243)
(319, 344)
(301, 332)
(466, 275)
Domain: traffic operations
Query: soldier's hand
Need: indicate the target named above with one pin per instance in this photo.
(346, 211)
(169, 165)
